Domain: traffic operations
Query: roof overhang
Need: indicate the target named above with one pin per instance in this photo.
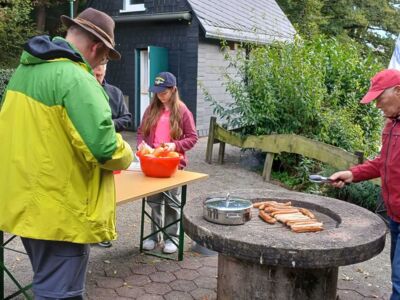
(243, 36)
(175, 16)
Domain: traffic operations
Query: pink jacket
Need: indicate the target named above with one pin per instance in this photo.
(184, 143)
(387, 167)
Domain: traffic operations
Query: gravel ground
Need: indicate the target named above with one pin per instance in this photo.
(367, 280)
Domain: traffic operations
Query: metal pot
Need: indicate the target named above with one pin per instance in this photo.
(227, 211)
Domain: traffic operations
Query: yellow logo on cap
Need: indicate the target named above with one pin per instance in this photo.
(159, 80)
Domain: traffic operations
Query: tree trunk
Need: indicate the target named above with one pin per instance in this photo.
(41, 18)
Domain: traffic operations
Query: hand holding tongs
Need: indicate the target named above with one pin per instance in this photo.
(321, 179)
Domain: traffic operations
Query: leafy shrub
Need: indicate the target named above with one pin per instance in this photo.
(16, 27)
(5, 75)
(364, 194)
(310, 88)
(339, 129)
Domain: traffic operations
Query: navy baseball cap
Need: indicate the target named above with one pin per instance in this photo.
(163, 81)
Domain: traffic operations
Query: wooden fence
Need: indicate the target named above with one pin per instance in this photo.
(277, 143)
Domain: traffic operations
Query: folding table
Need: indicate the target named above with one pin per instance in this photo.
(132, 185)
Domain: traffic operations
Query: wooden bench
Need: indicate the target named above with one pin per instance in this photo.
(275, 144)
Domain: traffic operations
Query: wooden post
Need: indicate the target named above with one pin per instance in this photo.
(360, 156)
(221, 152)
(210, 141)
(269, 159)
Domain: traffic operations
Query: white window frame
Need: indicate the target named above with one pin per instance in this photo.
(128, 7)
(144, 71)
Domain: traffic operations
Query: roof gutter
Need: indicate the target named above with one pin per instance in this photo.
(176, 16)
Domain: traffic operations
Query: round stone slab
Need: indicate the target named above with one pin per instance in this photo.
(351, 233)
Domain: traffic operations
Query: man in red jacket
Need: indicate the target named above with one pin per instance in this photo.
(385, 90)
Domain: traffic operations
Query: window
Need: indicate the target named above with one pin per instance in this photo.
(133, 5)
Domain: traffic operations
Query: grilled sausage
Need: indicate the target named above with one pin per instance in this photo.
(271, 209)
(308, 213)
(258, 204)
(266, 217)
(307, 229)
(285, 211)
(311, 221)
(284, 218)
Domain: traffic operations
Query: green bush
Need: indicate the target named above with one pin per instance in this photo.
(5, 75)
(310, 88)
(364, 194)
(16, 26)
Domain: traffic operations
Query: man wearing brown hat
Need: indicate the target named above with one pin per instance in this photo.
(385, 91)
(59, 150)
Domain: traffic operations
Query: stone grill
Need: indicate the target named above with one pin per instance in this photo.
(262, 261)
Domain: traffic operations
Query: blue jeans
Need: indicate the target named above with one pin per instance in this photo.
(395, 258)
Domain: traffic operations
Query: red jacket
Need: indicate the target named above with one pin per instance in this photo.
(184, 143)
(386, 166)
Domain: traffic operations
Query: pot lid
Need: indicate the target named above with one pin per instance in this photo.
(230, 203)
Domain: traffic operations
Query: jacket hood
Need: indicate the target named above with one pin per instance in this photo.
(40, 49)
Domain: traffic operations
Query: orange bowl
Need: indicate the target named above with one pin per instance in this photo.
(159, 166)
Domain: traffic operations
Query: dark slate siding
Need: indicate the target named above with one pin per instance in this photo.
(113, 7)
(160, 6)
(180, 37)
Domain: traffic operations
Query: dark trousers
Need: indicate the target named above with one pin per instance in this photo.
(395, 258)
(59, 268)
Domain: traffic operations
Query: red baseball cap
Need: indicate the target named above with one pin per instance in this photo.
(380, 82)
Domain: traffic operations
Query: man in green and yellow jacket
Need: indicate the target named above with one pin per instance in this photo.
(58, 152)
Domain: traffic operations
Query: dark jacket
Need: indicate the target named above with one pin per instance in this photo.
(387, 167)
(121, 116)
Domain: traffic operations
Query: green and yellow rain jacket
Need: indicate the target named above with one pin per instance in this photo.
(58, 148)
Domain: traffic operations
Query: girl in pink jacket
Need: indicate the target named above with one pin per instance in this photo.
(166, 121)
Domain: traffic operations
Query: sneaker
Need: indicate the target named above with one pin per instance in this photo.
(169, 247)
(149, 244)
(105, 244)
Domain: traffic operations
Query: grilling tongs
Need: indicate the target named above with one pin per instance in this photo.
(321, 179)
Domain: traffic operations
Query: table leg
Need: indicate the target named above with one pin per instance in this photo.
(181, 232)
(4, 270)
(142, 224)
(1, 264)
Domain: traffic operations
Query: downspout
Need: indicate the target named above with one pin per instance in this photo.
(176, 16)
(71, 8)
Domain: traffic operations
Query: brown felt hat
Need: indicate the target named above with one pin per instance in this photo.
(97, 23)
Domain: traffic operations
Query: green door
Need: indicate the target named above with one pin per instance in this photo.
(148, 63)
(158, 62)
